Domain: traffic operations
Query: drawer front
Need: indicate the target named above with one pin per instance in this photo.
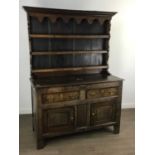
(60, 97)
(102, 92)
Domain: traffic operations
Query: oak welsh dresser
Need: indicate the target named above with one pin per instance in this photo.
(72, 89)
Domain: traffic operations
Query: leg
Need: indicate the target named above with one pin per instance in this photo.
(117, 128)
(40, 143)
(32, 109)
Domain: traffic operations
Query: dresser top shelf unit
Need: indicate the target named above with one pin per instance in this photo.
(68, 42)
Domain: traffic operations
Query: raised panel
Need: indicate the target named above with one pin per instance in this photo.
(103, 112)
(58, 120)
(60, 97)
(102, 92)
(82, 115)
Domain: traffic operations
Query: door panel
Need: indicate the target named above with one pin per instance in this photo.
(82, 115)
(102, 112)
(58, 120)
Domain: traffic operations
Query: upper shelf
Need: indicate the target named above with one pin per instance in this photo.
(68, 36)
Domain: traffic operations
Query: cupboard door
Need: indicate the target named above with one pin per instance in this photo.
(102, 112)
(58, 120)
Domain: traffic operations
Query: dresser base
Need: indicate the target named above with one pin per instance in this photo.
(74, 107)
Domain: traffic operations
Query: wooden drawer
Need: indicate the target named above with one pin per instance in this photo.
(62, 94)
(60, 97)
(102, 92)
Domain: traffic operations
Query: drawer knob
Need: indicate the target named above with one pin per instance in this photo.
(71, 118)
(93, 114)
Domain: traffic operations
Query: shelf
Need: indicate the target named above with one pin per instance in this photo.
(68, 69)
(68, 36)
(67, 52)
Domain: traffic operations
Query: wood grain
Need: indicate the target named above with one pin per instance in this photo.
(68, 36)
(66, 52)
(67, 69)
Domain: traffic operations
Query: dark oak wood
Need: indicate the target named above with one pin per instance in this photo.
(68, 36)
(102, 112)
(59, 120)
(72, 89)
(65, 11)
(67, 52)
(67, 69)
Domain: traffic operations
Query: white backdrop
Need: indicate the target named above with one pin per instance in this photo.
(121, 61)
